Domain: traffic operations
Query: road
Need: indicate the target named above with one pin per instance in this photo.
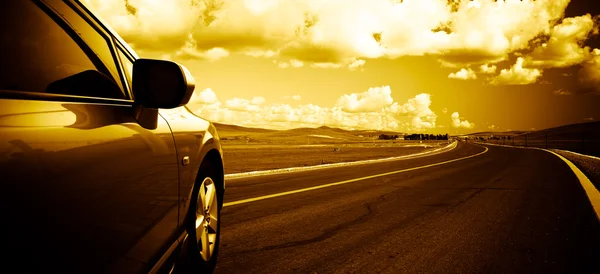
(503, 210)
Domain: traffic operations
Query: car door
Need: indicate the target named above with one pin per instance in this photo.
(86, 187)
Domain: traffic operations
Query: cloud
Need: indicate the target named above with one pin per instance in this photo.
(589, 119)
(333, 32)
(374, 99)
(445, 110)
(562, 92)
(372, 109)
(463, 74)
(589, 74)
(564, 48)
(457, 123)
(326, 65)
(357, 65)
(517, 75)
(240, 104)
(419, 109)
(206, 96)
(189, 51)
(487, 69)
(206, 104)
(293, 63)
(294, 97)
(486, 31)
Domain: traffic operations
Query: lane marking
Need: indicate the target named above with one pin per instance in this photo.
(592, 193)
(590, 190)
(244, 175)
(348, 181)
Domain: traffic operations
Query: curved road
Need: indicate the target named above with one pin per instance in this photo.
(504, 210)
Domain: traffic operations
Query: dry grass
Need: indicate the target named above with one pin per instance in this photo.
(251, 149)
(245, 158)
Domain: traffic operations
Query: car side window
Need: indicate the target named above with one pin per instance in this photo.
(39, 55)
(127, 66)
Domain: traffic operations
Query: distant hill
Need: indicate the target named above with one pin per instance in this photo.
(589, 130)
(583, 138)
(322, 134)
(572, 131)
(225, 129)
(497, 133)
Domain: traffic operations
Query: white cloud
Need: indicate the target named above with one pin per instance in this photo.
(206, 96)
(206, 104)
(487, 69)
(257, 100)
(589, 74)
(517, 75)
(372, 109)
(463, 74)
(419, 109)
(294, 97)
(240, 104)
(458, 123)
(486, 31)
(261, 53)
(357, 65)
(562, 92)
(190, 51)
(374, 99)
(333, 32)
(564, 48)
(291, 63)
(280, 113)
(326, 65)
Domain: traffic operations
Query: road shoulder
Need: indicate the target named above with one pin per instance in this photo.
(589, 165)
(582, 166)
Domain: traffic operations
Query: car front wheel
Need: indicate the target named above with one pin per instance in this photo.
(204, 223)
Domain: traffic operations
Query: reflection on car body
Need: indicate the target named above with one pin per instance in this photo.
(91, 145)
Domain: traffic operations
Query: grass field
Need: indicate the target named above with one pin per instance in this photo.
(245, 158)
(253, 149)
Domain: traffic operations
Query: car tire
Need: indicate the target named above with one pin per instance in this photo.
(203, 233)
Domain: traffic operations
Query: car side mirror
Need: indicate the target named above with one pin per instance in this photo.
(161, 84)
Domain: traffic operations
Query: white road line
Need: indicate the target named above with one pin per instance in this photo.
(590, 190)
(347, 181)
(361, 162)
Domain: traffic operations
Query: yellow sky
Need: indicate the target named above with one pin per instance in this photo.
(414, 65)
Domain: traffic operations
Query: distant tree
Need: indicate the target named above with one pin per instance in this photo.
(387, 137)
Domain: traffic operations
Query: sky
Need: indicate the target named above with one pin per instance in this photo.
(432, 66)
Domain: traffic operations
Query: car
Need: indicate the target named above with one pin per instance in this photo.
(104, 168)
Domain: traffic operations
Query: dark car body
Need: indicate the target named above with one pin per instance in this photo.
(92, 180)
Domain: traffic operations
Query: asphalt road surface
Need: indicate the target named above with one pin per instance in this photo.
(502, 210)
